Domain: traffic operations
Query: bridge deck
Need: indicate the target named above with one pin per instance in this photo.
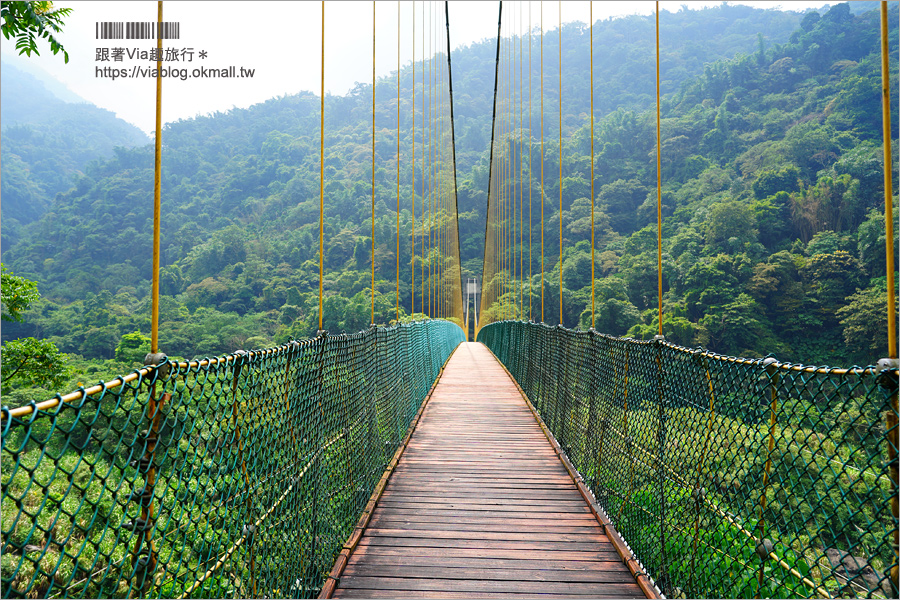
(480, 505)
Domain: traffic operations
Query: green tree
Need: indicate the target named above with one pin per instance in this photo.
(27, 21)
(133, 347)
(864, 322)
(17, 295)
(732, 223)
(27, 360)
(33, 362)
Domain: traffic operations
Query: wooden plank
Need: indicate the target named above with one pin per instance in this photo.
(547, 575)
(350, 593)
(491, 563)
(488, 535)
(368, 551)
(480, 504)
(381, 519)
(373, 540)
(480, 586)
(555, 529)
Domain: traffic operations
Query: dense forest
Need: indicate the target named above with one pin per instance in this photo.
(772, 199)
(47, 142)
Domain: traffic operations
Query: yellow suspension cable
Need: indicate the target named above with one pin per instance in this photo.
(506, 172)
(157, 178)
(510, 181)
(542, 161)
(412, 260)
(444, 225)
(530, 165)
(373, 163)
(425, 308)
(560, 169)
(510, 157)
(322, 174)
(442, 232)
(504, 181)
(512, 164)
(892, 424)
(658, 187)
(591, 45)
(431, 288)
(398, 163)
(521, 176)
(437, 176)
(888, 186)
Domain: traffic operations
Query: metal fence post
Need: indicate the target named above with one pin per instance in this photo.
(887, 379)
(144, 562)
(771, 370)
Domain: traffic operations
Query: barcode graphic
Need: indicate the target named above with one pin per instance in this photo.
(137, 30)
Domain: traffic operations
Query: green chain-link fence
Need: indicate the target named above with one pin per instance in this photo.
(239, 476)
(727, 477)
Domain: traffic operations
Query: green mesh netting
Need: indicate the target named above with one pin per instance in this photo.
(727, 477)
(240, 476)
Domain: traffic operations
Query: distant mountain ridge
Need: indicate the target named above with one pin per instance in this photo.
(771, 197)
(46, 143)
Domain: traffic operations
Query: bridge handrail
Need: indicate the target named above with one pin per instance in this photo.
(239, 475)
(779, 470)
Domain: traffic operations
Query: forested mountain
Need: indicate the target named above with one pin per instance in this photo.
(46, 143)
(772, 198)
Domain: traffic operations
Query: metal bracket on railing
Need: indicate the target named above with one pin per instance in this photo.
(161, 362)
(887, 373)
(764, 549)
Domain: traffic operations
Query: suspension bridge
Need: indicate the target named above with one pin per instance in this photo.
(406, 461)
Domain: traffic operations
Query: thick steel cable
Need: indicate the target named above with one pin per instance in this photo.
(658, 186)
(560, 168)
(157, 179)
(593, 276)
(373, 163)
(322, 173)
(397, 306)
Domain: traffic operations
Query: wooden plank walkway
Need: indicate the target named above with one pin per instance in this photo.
(480, 505)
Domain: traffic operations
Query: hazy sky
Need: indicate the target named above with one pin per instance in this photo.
(281, 41)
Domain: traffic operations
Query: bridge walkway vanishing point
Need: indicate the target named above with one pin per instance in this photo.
(480, 504)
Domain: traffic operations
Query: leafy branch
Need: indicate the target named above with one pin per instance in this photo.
(28, 21)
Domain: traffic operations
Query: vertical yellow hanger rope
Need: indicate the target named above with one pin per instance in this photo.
(888, 184)
(425, 308)
(542, 161)
(157, 179)
(397, 306)
(322, 173)
(412, 260)
(560, 168)
(530, 164)
(521, 175)
(889, 249)
(658, 187)
(431, 288)
(591, 44)
(373, 162)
